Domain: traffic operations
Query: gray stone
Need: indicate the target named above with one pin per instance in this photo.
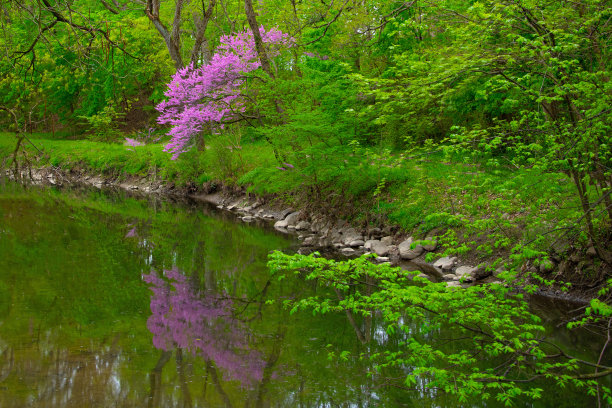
(446, 264)
(453, 284)
(481, 272)
(317, 224)
(432, 246)
(422, 275)
(248, 218)
(349, 235)
(310, 240)
(379, 248)
(347, 251)
(368, 243)
(356, 243)
(449, 277)
(425, 268)
(302, 225)
(292, 219)
(374, 232)
(284, 213)
(380, 259)
(388, 240)
(406, 252)
(464, 270)
(280, 224)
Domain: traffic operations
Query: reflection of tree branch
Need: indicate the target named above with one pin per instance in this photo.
(156, 378)
(270, 363)
(351, 319)
(11, 362)
(212, 370)
(180, 368)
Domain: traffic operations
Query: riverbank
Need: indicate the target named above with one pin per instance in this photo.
(483, 220)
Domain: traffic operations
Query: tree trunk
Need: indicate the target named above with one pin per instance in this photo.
(259, 45)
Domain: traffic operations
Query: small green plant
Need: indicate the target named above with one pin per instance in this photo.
(104, 124)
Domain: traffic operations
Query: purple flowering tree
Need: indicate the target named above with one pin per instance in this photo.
(205, 98)
(201, 323)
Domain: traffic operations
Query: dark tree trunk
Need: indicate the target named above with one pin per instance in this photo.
(259, 45)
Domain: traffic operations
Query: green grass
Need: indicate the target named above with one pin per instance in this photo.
(487, 210)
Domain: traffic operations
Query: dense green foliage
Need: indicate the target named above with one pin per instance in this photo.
(497, 349)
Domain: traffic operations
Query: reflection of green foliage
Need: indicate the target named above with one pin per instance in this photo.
(478, 343)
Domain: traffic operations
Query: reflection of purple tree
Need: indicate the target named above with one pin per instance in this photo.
(201, 323)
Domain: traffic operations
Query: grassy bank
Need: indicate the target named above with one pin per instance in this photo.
(479, 211)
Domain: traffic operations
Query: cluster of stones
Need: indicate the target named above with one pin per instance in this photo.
(408, 253)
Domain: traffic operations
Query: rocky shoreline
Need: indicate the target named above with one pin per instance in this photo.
(315, 232)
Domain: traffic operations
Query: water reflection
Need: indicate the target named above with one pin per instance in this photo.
(80, 327)
(203, 324)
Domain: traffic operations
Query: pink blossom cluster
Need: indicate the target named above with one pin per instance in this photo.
(203, 99)
(201, 323)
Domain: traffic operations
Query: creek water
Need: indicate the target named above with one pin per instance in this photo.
(111, 300)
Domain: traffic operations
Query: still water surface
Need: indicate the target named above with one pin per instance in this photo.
(109, 300)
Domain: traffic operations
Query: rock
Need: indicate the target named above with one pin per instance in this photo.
(310, 240)
(317, 225)
(446, 263)
(453, 284)
(379, 248)
(284, 213)
(388, 240)
(305, 250)
(465, 273)
(347, 251)
(248, 218)
(335, 237)
(292, 219)
(280, 224)
(432, 246)
(374, 232)
(449, 277)
(233, 205)
(356, 243)
(546, 266)
(464, 270)
(591, 251)
(302, 225)
(422, 275)
(481, 272)
(380, 259)
(349, 235)
(406, 252)
(424, 267)
(324, 242)
(498, 271)
(368, 243)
